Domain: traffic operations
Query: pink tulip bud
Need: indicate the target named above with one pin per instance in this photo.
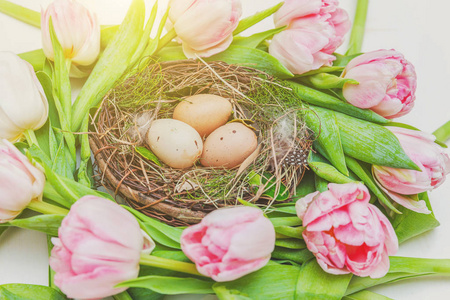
(345, 232)
(99, 246)
(315, 30)
(76, 28)
(23, 104)
(205, 27)
(387, 83)
(230, 242)
(20, 182)
(429, 156)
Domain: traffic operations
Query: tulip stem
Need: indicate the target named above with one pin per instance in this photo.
(47, 208)
(359, 25)
(443, 132)
(21, 13)
(169, 264)
(167, 38)
(31, 137)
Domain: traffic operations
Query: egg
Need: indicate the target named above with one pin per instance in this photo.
(228, 146)
(204, 112)
(175, 143)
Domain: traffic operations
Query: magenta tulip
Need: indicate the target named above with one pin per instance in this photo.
(387, 83)
(205, 27)
(20, 182)
(230, 242)
(315, 29)
(76, 28)
(98, 246)
(431, 159)
(345, 232)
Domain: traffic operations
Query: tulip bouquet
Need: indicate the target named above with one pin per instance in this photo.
(365, 189)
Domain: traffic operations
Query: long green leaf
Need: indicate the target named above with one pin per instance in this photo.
(112, 63)
(20, 13)
(18, 291)
(329, 138)
(256, 18)
(171, 285)
(322, 168)
(291, 244)
(328, 81)
(48, 224)
(410, 224)
(274, 281)
(370, 142)
(366, 295)
(318, 98)
(254, 58)
(295, 255)
(314, 283)
(254, 40)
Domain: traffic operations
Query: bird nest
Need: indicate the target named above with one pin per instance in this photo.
(184, 196)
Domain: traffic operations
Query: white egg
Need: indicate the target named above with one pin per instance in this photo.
(175, 143)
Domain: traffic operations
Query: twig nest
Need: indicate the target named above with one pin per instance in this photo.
(204, 112)
(176, 143)
(228, 146)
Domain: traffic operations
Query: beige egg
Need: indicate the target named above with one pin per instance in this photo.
(175, 143)
(204, 112)
(228, 146)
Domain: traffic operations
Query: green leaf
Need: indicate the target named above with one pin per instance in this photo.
(224, 294)
(305, 187)
(366, 176)
(269, 184)
(295, 255)
(329, 138)
(147, 154)
(171, 53)
(171, 285)
(332, 69)
(256, 18)
(18, 291)
(20, 13)
(343, 60)
(326, 171)
(47, 85)
(36, 58)
(274, 281)
(366, 295)
(402, 268)
(314, 283)
(291, 243)
(321, 184)
(256, 39)
(162, 233)
(112, 63)
(370, 142)
(328, 81)
(410, 224)
(321, 99)
(285, 221)
(294, 232)
(48, 224)
(253, 58)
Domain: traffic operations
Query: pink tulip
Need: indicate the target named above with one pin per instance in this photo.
(205, 27)
(315, 30)
(23, 104)
(99, 246)
(430, 157)
(76, 28)
(345, 232)
(387, 83)
(20, 182)
(230, 242)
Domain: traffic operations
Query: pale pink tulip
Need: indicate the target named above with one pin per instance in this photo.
(230, 242)
(23, 104)
(20, 182)
(205, 27)
(431, 159)
(345, 232)
(76, 28)
(387, 83)
(315, 29)
(98, 246)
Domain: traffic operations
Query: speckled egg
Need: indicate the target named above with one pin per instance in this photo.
(175, 143)
(204, 112)
(228, 146)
